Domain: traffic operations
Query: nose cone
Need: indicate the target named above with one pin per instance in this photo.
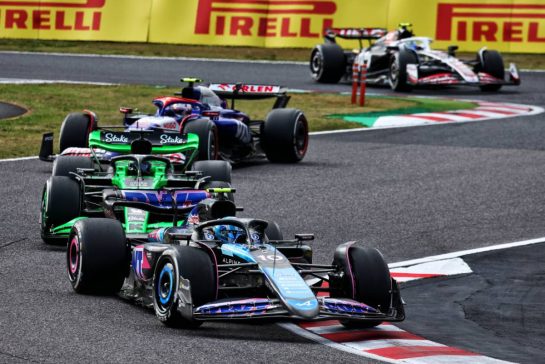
(305, 308)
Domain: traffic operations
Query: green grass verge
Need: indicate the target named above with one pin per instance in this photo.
(48, 104)
(530, 61)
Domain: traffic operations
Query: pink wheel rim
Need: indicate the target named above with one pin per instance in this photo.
(73, 254)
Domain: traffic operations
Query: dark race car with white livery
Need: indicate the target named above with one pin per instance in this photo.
(402, 61)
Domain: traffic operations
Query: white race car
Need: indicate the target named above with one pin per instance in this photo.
(403, 61)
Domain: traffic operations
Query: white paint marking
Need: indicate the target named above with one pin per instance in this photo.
(329, 329)
(18, 159)
(440, 267)
(22, 81)
(378, 344)
(398, 121)
(320, 340)
(453, 359)
(462, 253)
(451, 117)
(156, 58)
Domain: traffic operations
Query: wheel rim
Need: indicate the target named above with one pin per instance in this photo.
(394, 73)
(316, 64)
(43, 216)
(300, 141)
(74, 258)
(165, 285)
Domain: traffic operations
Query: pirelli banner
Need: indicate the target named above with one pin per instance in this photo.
(506, 25)
(113, 20)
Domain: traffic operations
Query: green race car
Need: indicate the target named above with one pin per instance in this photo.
(129, 166)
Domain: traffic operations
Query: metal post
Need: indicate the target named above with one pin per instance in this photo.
(355, 80)
(363, 77)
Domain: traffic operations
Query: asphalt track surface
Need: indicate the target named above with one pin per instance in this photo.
(411, 192)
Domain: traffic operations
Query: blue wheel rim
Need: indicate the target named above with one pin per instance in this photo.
(164, 289)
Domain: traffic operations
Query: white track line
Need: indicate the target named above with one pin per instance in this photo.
(18, 159)
(467, 252)
(156, 58)
(22, 81)
(196, 59)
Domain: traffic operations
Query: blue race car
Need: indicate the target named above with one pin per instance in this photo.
(219, 267)
(224, 132)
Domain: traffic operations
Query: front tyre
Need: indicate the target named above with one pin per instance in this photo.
(61, 203)
(64, 165)
(366, 279)
(188, 263)
(327, 63)
(97, 257)
(216, 170)
(284, 137)
(398, 70)
(491, 62)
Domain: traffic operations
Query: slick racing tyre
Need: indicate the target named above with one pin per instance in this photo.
(64, 164)
(398, 69)
(188, 263)
(273, 232)
(97, 257)
(61, 202)
(367, 280)
(208, 137)
(327, 63)
(75, 130)
(216, 170)
(284, 137)
(491, 62)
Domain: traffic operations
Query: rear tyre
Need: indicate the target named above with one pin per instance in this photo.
(97, 256)
(327, 63)
(398, 69)
(75, 131)
(61, 202)
(216, 170)
(284, 137)
(189, 263)
(367, 280)
(491, 63)
(64, 164)
(208, 137)
(273, 232)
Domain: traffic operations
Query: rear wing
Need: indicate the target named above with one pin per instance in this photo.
(137, 141)
(240, 91)
(161, 141)
(355, 33)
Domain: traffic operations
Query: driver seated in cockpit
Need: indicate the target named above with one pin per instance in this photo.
(228, 234)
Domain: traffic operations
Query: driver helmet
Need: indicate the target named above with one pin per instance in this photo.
(229, 234)
(179, 110)
(405, 30)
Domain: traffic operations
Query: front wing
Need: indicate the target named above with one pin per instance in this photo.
(329, 308)
(451, 78)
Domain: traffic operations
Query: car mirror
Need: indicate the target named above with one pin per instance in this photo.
(304, 237)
